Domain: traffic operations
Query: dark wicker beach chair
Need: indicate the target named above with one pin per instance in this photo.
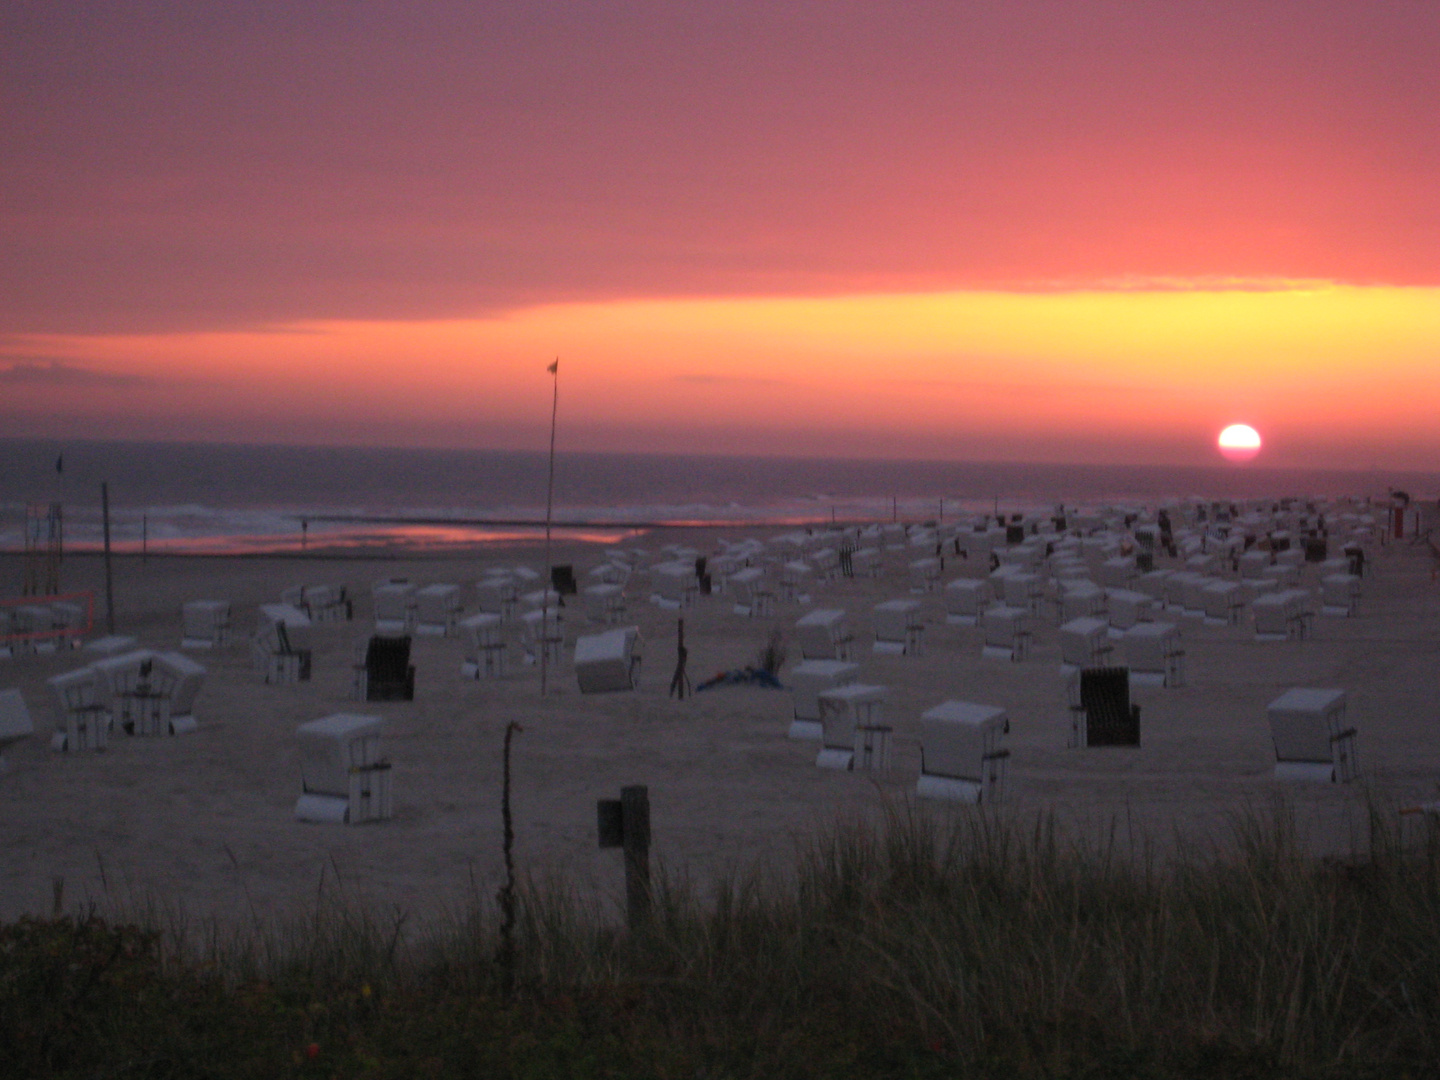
(389, 675)
(1110, 719)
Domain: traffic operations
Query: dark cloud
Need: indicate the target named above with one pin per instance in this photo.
(49, 372)
(728, 380)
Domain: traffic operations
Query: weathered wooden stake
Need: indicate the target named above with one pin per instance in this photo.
(507, 891)
(625, 823)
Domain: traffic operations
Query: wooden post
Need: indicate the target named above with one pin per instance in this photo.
(625, 823)
(635, 810)
(109, 583)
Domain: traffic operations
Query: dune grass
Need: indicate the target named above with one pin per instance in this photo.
(933, 944)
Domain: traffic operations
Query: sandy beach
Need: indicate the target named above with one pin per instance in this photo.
(202, 825)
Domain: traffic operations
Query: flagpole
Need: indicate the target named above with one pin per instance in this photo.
(554, 370)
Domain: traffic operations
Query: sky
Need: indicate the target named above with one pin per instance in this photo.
(1031, 230)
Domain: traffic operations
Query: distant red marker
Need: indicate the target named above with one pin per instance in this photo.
(1239, 442)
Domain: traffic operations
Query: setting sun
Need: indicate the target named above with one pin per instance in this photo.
(1239, 442)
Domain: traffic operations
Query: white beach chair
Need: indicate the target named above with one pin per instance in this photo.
(1339, 594)
(543, 630)
(824, 634)
(608, 661)
(181, 679)
(1281, 615)
(604, 603)
(899, 628)
(1118, 572)
(925, 574)
(850, 714)
(1084, 643)
(753, 594)
(1126, 607)
(1224, 603)
(109, 645)
(865, 562)
(206, 624)
(484, 646)
(808, 680)
(498, 594)
(344, 776)
(437, 609)
(279, 649)
(1312, 741)
(1081, 598)
(394, 607)
(961, 756)
(795, 578)
(135, 691)
(1154, 654)
(82, 720)
(1007, 631)
(675, 584)
(15, 723)
(965, 598)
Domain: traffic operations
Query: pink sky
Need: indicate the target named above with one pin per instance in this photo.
(213, 212)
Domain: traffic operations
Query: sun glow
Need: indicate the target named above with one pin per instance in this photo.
(1239, 442)
(1337, 373)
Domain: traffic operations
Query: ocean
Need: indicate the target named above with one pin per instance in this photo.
(215, 498)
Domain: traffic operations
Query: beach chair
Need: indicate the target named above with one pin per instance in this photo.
(808, 680)
(965, 598)
(795, 578)
(344, 776)
(387, 673)
(206, 624)
(899, 628)
(135, 692)
(543, 630)
(1118, 572)
(850, 714)
(1100, 710)
(754, 596)
(82, 720)
(562, 580)
(394, 607)
(1126, 607)
(1224, 603)
(109, 645)
(1339, 594)
(1081, 598)
(961, 756)
(609, 661)
(865, 562)
(925, 574)
(604, 603)
(1084, 643)
(498, 594)
(181, 679)
(1007, 632)
(437, 609)
(484, 646)
(675, 584)
(1155, 655)
(1281, 615)
(277, 656)
(824, 634)
(1312, 739)
(15, 722)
